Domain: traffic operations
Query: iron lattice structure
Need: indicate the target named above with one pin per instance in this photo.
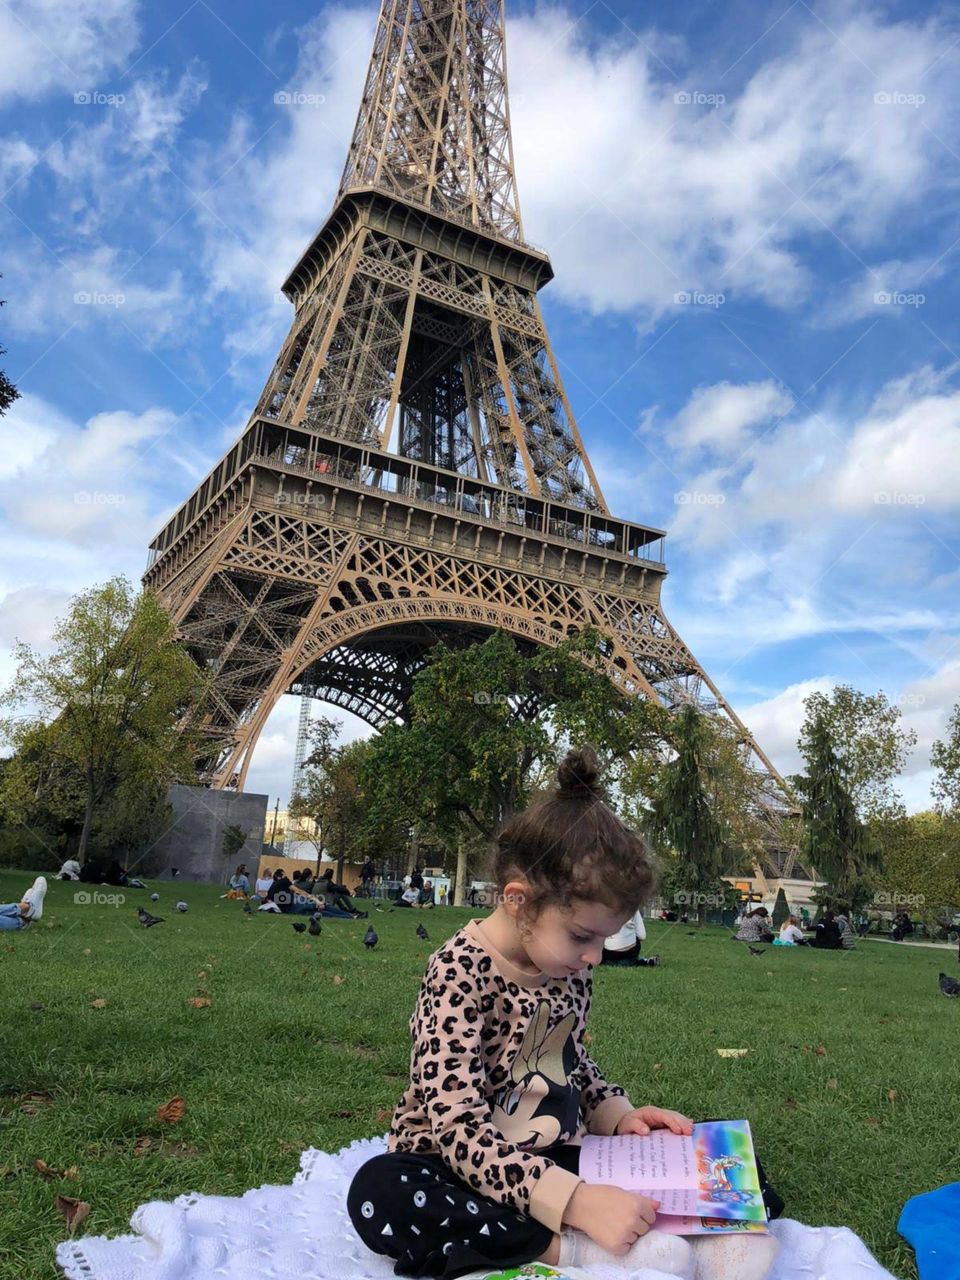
(412, 470)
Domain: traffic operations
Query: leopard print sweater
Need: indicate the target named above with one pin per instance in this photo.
(498, 1071)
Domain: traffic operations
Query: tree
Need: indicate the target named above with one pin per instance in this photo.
(106, 706)
(234, 838)
(683, 817)
(8, 392)
(330, 795)
(945, 758)
(488, 725)
(835, 841)
(921, 866)
(865, 732)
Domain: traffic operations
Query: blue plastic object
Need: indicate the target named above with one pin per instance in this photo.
(931, 1223)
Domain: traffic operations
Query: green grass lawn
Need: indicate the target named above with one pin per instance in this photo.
(850, 1082)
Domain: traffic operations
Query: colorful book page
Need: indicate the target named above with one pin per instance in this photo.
(711, 1174)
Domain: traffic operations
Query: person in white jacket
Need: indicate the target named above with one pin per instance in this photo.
(623, 948)
(70, 870)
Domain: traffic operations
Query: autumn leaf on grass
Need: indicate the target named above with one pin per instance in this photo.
(733, 1053)
(73, 1210)
(337, 980)
(383, 1113)
(199, 1002)
(587, 1037)
(790, 1104)
(36, 1006)
(99, 1003)
(47, 1171)
(892, 1095)
(833, 1083)
(142, 1145)
(172, 1111)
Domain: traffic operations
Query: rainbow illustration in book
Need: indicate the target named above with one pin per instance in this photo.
(727, 1180)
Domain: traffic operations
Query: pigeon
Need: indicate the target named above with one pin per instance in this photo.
(247, 909)
(154, 897)
(146, 919)
(300, 928)
(949, 986)
(756, 951)
(181, 906)
(421, 932)
(313, 928)
(371, 937)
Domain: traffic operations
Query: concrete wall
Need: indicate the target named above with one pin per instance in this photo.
(194, 842)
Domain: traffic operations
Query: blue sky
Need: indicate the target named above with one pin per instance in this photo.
(752, 214)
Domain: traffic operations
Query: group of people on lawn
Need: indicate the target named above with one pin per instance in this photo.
(303, 895)
(833, 931)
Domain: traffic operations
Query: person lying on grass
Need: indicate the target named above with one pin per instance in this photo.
(481, 1169)
(17, 915)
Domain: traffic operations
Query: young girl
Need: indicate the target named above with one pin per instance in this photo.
(481, 1167)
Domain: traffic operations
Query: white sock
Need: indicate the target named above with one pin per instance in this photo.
(657, 1249)
(747, 1257)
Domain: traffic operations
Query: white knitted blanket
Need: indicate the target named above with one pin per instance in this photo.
(302, 1232)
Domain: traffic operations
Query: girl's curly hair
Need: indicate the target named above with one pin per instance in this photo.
(569, 844)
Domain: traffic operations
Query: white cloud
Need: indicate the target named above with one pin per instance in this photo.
(718, 416)
(67, 45)
(86, 486)
(673, 197)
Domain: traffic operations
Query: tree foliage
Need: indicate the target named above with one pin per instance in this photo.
(488, 725)
(945, 758)
(8, 392)
(100, 739)
(921, 864)
(869, 741)
(835, 841)
(683, 816)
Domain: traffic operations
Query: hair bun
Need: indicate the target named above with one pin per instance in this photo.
(579, 773)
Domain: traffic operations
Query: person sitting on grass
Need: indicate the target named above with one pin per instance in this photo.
(755, 927)
(17, 915)
(828, 932)
(70, 870)
(280, 893)
(848, 938)
(409, 898)
(481, 1170)
(262, 887)
(623, 948)
(336, 896)
(239, 884)
(791, 935)
(425, 898)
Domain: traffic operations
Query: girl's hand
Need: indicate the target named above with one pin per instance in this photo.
(643, 1119)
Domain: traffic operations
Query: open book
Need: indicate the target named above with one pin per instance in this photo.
(705, 1183)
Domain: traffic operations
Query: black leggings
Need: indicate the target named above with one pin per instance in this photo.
(417, 1211)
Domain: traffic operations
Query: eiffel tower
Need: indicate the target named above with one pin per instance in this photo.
(412, 470)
